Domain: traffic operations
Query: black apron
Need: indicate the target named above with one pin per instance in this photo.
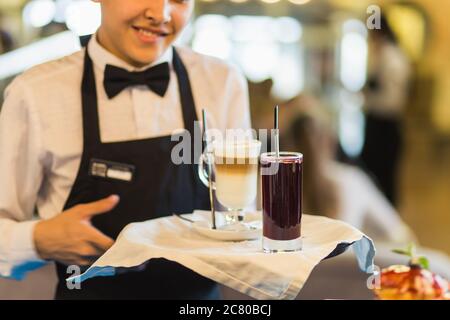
(158, 188)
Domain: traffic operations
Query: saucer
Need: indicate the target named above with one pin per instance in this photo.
(249, 229)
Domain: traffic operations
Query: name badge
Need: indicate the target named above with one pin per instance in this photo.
(111, 170)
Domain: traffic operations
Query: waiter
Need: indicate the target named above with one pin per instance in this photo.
(87, 141)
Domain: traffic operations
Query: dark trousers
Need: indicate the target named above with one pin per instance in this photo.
(381, 153)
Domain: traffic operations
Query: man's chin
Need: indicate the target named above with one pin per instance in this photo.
(146, 58)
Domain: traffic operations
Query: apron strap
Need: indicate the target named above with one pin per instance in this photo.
(186, 97)
(91, 129)
(190, 118)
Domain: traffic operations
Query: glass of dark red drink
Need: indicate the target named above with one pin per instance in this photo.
(282, 201)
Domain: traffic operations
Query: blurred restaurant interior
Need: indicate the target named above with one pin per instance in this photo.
(304, 54)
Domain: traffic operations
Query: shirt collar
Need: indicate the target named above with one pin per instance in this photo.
(101, 57)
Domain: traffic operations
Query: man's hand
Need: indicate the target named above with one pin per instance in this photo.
(70, 238)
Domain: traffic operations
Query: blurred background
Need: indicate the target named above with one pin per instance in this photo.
(373, 103)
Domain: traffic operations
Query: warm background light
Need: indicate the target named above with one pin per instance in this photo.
(299, 2)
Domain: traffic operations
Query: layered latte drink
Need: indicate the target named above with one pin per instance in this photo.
(237, 173)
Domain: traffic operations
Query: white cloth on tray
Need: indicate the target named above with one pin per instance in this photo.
(239, 265)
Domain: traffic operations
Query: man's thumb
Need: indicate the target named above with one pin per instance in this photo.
(89, 210)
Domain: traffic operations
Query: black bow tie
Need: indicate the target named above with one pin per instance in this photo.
(117, 79)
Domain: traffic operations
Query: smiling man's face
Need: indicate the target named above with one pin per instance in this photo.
(140, 31)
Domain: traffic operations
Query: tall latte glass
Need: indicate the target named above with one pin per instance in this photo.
(235, 167)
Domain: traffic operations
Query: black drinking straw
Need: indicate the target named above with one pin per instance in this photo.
(277, 132)
(211, 196)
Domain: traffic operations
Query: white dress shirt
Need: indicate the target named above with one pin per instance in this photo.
(41, 133)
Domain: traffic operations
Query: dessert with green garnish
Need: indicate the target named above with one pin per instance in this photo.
(413, 281)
